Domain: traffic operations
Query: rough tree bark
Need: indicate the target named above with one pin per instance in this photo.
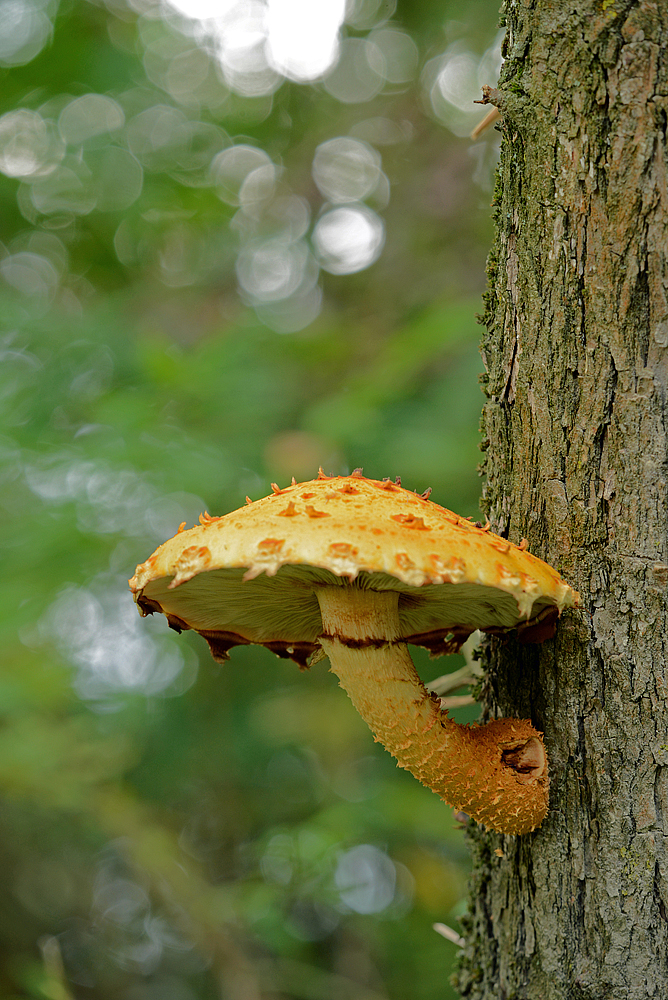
(575, 427)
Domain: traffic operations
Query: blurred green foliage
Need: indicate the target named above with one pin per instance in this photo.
(173, 829)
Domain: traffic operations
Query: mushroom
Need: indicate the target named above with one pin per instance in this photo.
(355, 568)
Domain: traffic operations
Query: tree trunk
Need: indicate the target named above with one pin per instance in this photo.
(575, 429)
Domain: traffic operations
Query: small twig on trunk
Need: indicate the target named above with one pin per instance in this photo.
(490, 118)
(449, 934)
(490, 96)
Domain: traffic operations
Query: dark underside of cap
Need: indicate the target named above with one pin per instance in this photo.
(282, 612)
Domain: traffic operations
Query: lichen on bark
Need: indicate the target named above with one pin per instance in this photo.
(576, 438)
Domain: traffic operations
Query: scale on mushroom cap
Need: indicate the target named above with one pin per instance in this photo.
(356, 568)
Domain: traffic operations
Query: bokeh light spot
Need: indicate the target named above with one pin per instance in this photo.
(399, 55)
(29, 146)
(202, 9)
(273, 269)
(366, 879)
(241, 38)
(257, 190)
(99, 630)
(348, 239)
(303, 36)
(87, 116)
(365, 14)
(117, 178)
(30, 273)
(186, 72)
(458, 80)
(231, 167)
(157, 135)
(354, 80)
(292, 314)
(288, 215)
(68, 188)
(345, 169)
(25, 28)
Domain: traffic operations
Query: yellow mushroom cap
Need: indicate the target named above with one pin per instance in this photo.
(251, 576)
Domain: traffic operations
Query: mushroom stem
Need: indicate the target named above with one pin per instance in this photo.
(496, 773)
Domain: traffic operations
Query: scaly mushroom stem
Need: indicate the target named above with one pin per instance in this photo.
(496, 773)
